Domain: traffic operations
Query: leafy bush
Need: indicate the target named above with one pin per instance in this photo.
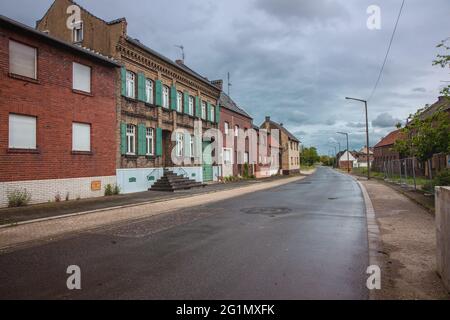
(18, 198)
(116, 189)
(108, 190)
(442, 179)
(112, 190)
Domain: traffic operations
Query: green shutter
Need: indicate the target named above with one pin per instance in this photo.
(208, 112)
(173, 97)
(158, 142)
(158, 93)
(123, 78)
(141, 87)
(123, 138)
(198, 107)
(218, 114)
(186, 102)
(141, 140)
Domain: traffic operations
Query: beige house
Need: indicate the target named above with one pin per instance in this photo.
(289, 147)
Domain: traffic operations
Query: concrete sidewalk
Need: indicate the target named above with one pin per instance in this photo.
(10, 216)
(27, 234)
(408, 246)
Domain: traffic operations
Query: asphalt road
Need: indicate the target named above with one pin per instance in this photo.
(303, 240)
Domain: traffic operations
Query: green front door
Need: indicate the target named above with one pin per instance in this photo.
(207, 162)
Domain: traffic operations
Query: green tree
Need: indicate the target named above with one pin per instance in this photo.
(424, 137)
(443, 60)
(309, 156)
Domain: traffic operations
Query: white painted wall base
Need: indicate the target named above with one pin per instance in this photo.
(137, 179)
(46, 190)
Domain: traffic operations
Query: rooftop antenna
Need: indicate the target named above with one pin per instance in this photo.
(182, 51)
(229, 84)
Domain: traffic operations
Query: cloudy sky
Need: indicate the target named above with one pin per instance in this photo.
(295, 60)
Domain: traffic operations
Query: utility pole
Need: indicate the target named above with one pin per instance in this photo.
(348, 152)
(367, 134)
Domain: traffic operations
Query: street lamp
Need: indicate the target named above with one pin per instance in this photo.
(367, 134)
(348, 152)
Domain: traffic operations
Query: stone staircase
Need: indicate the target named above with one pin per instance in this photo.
(172, 182)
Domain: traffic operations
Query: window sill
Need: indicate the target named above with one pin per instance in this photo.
(23, 78)
(150, 156)
(23, 151)
(82, 153)
(130, 99)
(130, 156)
(83, 93)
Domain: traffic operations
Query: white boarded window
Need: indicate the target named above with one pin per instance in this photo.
(131, 139)
(149, 91)
(22, 132)
(81, 77)
(226, 127)
(131, 87)
(81, 137)
(179, 101)
(180, 145)
(212, 114)
(22, 60)
(203, 110)
(77, 33)
(227, 156)
(166, 97)
(191, 105)
(150, 142)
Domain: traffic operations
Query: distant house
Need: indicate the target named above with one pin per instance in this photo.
(361, 157)
(347, 160)
(384, 150)
(289, 156)
(443, 104)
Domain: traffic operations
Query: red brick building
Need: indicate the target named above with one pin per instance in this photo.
(236, 127)
(57, 116)
(384, 150)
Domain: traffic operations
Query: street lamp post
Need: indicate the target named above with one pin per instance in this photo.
(367, 134)
(348, 152)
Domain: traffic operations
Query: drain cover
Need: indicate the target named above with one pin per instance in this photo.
(267, 210)
(332, 198)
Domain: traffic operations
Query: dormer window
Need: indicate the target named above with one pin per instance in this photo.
(77, 32)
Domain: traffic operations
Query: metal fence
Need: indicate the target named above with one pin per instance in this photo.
(407, 171)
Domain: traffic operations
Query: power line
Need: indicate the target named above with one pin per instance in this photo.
(387, 52)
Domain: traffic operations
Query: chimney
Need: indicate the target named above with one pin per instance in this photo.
(217, 83)
(281, 124)
(267, 118)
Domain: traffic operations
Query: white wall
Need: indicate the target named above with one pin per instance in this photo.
(46, 190)
(442, 199)
(137, 179)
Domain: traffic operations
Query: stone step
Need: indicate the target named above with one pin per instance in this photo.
(171, 182)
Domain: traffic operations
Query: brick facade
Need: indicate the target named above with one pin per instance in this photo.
(51, 99)
(289, 147)
(244, 123)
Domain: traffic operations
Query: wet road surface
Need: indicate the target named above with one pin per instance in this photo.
(303, 240)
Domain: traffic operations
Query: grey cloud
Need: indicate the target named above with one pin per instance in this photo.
(294, 60)
(298, 9)
(356, 124)
(384, 120)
